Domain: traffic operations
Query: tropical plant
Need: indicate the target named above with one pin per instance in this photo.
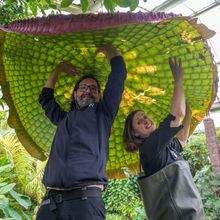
(28, 59)
(122, 197)
(12, 203)
(196, 152)
(27, 170)
(3, 124)
(208, 183)
(4, 127)
(114, 217)
(23, 174)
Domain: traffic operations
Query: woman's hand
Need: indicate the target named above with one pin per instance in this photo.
(176, 68)
(109, 50)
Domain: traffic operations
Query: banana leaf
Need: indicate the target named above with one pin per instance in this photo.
(30, 49)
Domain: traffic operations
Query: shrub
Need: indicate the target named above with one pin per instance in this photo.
(207, 183)
(122, 197)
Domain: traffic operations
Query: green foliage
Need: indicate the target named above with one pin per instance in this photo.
(84, 5)
(122, 197)
(20, 177)
(114, 217)
(109, 5)
(196, 152)
(2, 102)
(2, 116)
(208, 183)
(27, 175)
(66, 3)
(17, 9)
(132, 4)
(3, 121)
(133, 210)
(12, 204)
(10, 11)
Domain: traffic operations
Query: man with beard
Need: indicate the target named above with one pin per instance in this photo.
(75, 172)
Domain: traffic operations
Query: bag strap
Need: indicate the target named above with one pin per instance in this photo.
(140, 167)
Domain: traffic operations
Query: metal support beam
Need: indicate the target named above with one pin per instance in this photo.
(205, 9)
(167, 5)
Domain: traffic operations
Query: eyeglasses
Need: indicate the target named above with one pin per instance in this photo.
(84, 87)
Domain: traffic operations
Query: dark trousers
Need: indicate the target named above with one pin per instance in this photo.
(72, 205)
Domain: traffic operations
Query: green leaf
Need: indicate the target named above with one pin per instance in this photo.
(123, 3)
(66, 3)
(21, 199)
(2, 168)
(84, 5)
(3, 184)
(26, 216)
(2, 103)
(25, 6)
(4, 201)
(134, 4)
(48, 1)
(33, 8)
(14, 214)
(10, 1)
(7, 188)
(53, 6)
(43, 12)
(109, 5)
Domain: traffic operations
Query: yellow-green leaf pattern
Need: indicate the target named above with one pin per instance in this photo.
(28, 57)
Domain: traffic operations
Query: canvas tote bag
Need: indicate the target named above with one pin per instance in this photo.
(170, 194)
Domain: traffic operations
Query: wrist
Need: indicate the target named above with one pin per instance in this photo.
(178, 82)
(57, 70)
(112, 53)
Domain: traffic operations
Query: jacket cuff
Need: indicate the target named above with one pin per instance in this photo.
(46, 90)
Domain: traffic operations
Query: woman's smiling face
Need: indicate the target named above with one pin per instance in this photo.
(142, 125)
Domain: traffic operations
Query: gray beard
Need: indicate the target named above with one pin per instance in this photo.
(83, 103)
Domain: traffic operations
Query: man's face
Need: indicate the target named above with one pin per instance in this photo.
(87, 92)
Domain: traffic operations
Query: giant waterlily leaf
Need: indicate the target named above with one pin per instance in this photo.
(31, 49)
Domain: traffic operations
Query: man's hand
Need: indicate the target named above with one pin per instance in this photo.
(109, 51)
(67, 67)
(176, 68)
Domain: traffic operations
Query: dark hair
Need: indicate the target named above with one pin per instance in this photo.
(89, 76)
(130, 140)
